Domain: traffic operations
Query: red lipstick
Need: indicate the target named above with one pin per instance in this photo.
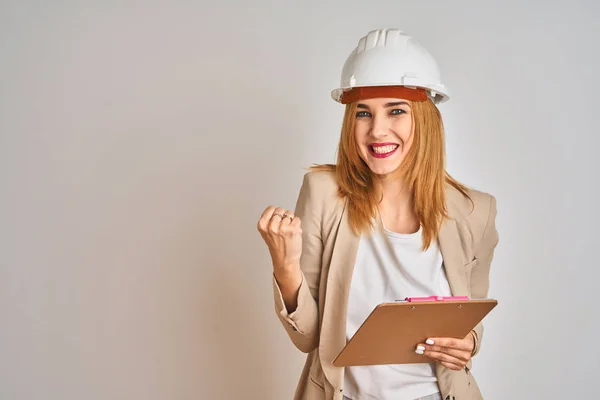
(392, 147)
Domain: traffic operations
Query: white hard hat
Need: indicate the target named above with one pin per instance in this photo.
(390, 57)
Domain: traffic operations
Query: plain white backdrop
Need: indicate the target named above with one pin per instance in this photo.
(140, 141)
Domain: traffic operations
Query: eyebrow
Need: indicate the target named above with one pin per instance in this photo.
(394, 104)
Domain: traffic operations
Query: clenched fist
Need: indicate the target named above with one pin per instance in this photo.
(282, 232)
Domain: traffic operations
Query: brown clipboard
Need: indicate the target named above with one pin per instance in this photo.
(392, 331)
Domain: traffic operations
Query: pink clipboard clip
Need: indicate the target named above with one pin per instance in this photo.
(436, 298)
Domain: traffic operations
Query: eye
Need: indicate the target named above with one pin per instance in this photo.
(397, 111)
(363, 114)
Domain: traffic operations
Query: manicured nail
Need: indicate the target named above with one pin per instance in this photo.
(420, 348)
(419, 351)
(429, 341)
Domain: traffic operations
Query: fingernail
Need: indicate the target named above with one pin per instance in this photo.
(429, 341)
(419, 351)
(421, 348)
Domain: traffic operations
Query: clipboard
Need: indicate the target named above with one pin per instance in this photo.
(392, 331)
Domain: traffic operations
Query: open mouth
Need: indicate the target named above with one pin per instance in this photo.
(382, 150)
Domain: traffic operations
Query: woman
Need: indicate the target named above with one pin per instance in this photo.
(385, 222)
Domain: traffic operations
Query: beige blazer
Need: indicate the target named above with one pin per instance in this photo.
(318, 326)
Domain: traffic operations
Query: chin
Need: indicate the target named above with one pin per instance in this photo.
(383, 170)
(379, 171)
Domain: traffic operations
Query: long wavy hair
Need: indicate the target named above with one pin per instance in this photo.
(422, 171)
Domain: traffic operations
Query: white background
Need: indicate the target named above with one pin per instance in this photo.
(140, 141)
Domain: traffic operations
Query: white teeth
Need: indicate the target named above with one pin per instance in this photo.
(384, 149)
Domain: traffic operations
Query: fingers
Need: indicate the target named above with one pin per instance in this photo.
(288, 217)
(273, 219)
(267, 213)
(296, 223)
(263, 222)
(461, 355)
(443, 357)
(459, 344)
(452, 366)
(451, 353)
(447, 360)
(276, 219)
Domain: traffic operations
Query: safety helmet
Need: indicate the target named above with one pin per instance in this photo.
(391, 58)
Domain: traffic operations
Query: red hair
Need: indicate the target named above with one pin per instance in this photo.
(423, 171)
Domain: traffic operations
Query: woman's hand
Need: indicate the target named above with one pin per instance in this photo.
(451, 353)
(282, 232)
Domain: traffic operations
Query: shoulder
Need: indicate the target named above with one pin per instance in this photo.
(476, 205)
(321, 185)
(477, 212)
(320, 192)
(324, 182)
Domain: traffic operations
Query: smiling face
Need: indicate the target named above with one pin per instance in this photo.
(384, 133)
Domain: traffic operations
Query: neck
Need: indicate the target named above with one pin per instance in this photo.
(397, 202)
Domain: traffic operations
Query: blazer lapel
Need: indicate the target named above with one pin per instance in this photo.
(451, 249)
(333, 329)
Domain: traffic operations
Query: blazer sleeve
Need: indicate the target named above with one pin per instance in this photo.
(302, 325)
(480, 275)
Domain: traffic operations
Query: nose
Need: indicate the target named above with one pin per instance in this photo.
(380, 126)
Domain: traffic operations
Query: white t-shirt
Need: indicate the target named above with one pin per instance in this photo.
(392, 266)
